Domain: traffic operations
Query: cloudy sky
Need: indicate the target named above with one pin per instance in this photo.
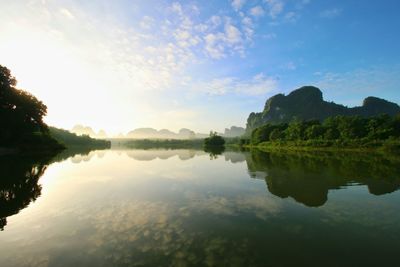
(122, 64)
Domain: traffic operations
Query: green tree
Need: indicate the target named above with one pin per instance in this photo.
(315, 131)
(276, 134)
(214, 140)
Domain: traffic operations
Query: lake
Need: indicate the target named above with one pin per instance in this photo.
(192, 208)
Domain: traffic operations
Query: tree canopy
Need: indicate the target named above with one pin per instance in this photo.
(338, 128)
(21, 113)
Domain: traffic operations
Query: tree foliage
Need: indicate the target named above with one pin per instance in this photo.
(21, 113)
(214, 140)
(338, 128)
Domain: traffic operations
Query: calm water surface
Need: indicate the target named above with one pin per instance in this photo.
(190, 208)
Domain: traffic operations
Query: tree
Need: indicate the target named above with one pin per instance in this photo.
(21, 113)
(214, 140)
(316, 131)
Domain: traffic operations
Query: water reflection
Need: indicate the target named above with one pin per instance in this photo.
(19, 183)
(307, 177)
(179, 208)
(214, 151)
(152, 154)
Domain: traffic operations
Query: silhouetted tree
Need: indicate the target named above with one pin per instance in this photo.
(21, 113)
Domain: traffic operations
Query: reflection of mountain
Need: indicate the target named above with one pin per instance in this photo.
(234, 157)
(78, 155)
(308, 177)
(148, 155)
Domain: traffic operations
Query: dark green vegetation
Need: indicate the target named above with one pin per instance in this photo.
(307, 103)
(23, 129)
(160, 143)
(71, 140)
(21, 116)
(308, 176)
(341, 131)
(214, 140)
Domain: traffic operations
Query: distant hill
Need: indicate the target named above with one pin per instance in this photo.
(234, 131)
(150, 133)
(307, 103)
(86, 130)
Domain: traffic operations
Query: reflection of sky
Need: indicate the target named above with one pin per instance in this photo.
(118, 209)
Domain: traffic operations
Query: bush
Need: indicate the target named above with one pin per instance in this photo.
(214, 140)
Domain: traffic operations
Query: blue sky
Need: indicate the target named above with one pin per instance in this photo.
(196, 64)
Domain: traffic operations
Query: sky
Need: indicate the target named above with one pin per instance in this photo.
(204, 65)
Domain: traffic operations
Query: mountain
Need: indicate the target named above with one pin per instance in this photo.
(150, 133)
(307, 103)
(234, 131)
(86, 130)
(83, 130)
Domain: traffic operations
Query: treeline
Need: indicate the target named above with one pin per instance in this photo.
(72, 140)
(341, 131)
(163, 143)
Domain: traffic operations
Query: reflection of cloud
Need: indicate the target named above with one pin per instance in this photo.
(160, 228)
(260, 205)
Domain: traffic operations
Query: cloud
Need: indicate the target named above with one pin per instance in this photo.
(213, 47)
(216, 36)
(291, 16)
(275, 7)
(229, 41)
(257, 85)
(248, 27)
(269, 35)
(330, 13)
(290, 66)
(67, 13)
(233, 35)
(238, 4)
(147, 22)
(257, 11)
(177, 8)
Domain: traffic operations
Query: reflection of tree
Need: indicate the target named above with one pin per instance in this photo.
(307, 177)
(214, 151)
(19, 184)
(19, 180)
